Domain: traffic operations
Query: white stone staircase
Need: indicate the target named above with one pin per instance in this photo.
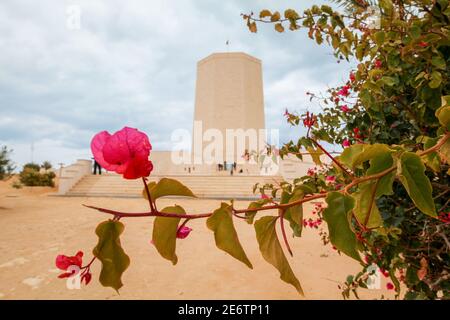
(214, 187)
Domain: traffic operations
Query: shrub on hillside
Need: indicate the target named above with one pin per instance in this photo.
(31, 176)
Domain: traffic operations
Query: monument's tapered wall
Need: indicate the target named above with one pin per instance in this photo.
(229, 95)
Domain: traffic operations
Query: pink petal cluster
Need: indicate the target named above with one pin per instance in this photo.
(352, 77)
(311, 172)
(330, 179)
(345, 108)
(64, 262)
(183, 232)
(125, 152)
(444, 216)
(346, 143)
(312, 223)
(378, 64)
(344, 91)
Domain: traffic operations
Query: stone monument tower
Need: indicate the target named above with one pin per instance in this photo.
(229, 95)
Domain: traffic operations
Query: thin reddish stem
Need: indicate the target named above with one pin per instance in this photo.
(202, 215)
(147, 191)
(283, 232)
(333, 158)
(89, 264)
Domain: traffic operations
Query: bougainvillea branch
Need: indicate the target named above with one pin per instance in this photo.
(340, 165)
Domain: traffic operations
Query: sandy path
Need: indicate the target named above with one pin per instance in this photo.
(35, 227)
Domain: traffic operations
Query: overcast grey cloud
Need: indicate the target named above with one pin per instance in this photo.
(134, 63)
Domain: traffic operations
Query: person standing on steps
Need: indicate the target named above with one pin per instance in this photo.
(97, 166)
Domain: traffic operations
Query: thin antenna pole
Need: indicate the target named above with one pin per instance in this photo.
(32, 152)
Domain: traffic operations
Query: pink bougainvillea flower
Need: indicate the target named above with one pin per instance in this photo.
(344, 108)
(330, 179)
(311, 172)
(264, 196)
(378, 64)
(125, 152)
(384, 272)
(444, 216)
(423, 44)
(183, 232)
(344, 91)
(63, 262)
(352, 77)
(86, 277)
(390, 286)
(309, 120)
(346, 143)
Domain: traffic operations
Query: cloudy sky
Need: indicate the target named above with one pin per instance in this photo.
(134, 63)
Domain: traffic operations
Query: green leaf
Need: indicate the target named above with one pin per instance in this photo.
(167, 187)
(221, 222)
(411, 172)
(165, 233)
(386, 5)
(252, 27)
(349, 154)
(415, 32)
(443, 113)
(255, 205)
(291, 14)
(366, 210)
(279, 27)
(110, 253)
(380, 163)
(338, 216)
(294, 214)
(436, 80)
(369, 152)
(275, 17)
(432, 160)
(390, 81)
(271, 250)
(438, 62)
(315, 155)
(444, 153)
(379, 37)
(265, 13)
(327, 9)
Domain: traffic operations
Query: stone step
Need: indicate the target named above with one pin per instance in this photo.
(218, 187)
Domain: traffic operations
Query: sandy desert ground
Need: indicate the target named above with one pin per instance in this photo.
(36, 225)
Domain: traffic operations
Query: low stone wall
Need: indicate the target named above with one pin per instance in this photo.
(70, 175)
